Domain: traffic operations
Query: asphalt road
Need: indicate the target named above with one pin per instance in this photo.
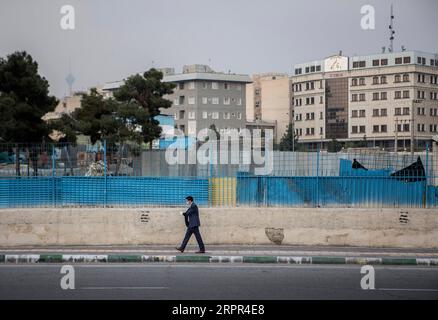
(206, 281)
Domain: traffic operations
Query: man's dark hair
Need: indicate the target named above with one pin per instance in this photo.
(190, 198)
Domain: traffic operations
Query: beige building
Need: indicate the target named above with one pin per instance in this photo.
(66, 105)
(269, 100)
(385, 100)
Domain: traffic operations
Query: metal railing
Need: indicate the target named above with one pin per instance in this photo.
(65, 175)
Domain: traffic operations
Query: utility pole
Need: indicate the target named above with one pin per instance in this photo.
(412, 128)
(396, 135)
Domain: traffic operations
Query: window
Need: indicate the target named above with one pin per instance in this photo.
(398, 111)
(354, 113)
(318, 68)
(192, 100)
(181, 100)
(359, 64)
(397, 78)
(406, 127)
(383, 112)
(383, 80)
(407, 60)
(239, 115)
(383, 95)
(362, 113)
(375, 128)
(215, 100)
(397, 95)
(192, 115)
(215, 85)
(226, 115)
(321, 116)
(362, 97)
(375, 112)
(204, 100)
(406, 94)
(204, 115)
(362, 129)
(383, 128)
(354, 97)
(176, 101)
(376, 63)
(191, 85)
(321, 100)
(384, 62)
(405, 111)
(361, 81)
(398, 60)
(375, 80)
(239, 101)
(406, 77)
(227, 101)
(215, 115)
(354, 129)
(354, 82)
(181, 114)
(375, 96)
(181, 85)
(226, 86)
(204, 85)
(298, 71)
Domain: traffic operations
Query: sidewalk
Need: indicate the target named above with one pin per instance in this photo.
(222, 254)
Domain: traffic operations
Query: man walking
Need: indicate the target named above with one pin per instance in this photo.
(192, 222)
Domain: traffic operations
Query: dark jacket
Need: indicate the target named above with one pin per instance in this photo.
(192, 216)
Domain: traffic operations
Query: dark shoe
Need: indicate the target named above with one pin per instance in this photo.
(179, 249)
(200, 251)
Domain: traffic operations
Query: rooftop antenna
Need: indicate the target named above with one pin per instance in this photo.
(70, 79)
(403, 48)
(383, 49)
(391, 31)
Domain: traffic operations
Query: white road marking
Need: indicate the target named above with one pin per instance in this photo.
(124, 288)
(400, 289)
(218, 265)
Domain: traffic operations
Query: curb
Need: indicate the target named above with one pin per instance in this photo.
(103, 258)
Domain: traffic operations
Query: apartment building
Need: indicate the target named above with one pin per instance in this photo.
(269, 100)
(203, 98)
(385, 100)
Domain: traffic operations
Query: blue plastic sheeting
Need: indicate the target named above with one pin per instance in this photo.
(177, 142)
(345, 169)
(333, 192)
(98, 191)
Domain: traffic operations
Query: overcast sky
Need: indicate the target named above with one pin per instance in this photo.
(115, 38)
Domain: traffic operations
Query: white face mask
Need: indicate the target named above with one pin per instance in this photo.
(188, 203)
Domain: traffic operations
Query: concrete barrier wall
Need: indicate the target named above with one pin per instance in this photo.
(304, 226)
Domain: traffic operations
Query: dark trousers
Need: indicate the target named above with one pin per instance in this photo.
(189, 233)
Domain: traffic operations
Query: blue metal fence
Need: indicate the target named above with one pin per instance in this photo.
(307, 179)
(100, 191)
